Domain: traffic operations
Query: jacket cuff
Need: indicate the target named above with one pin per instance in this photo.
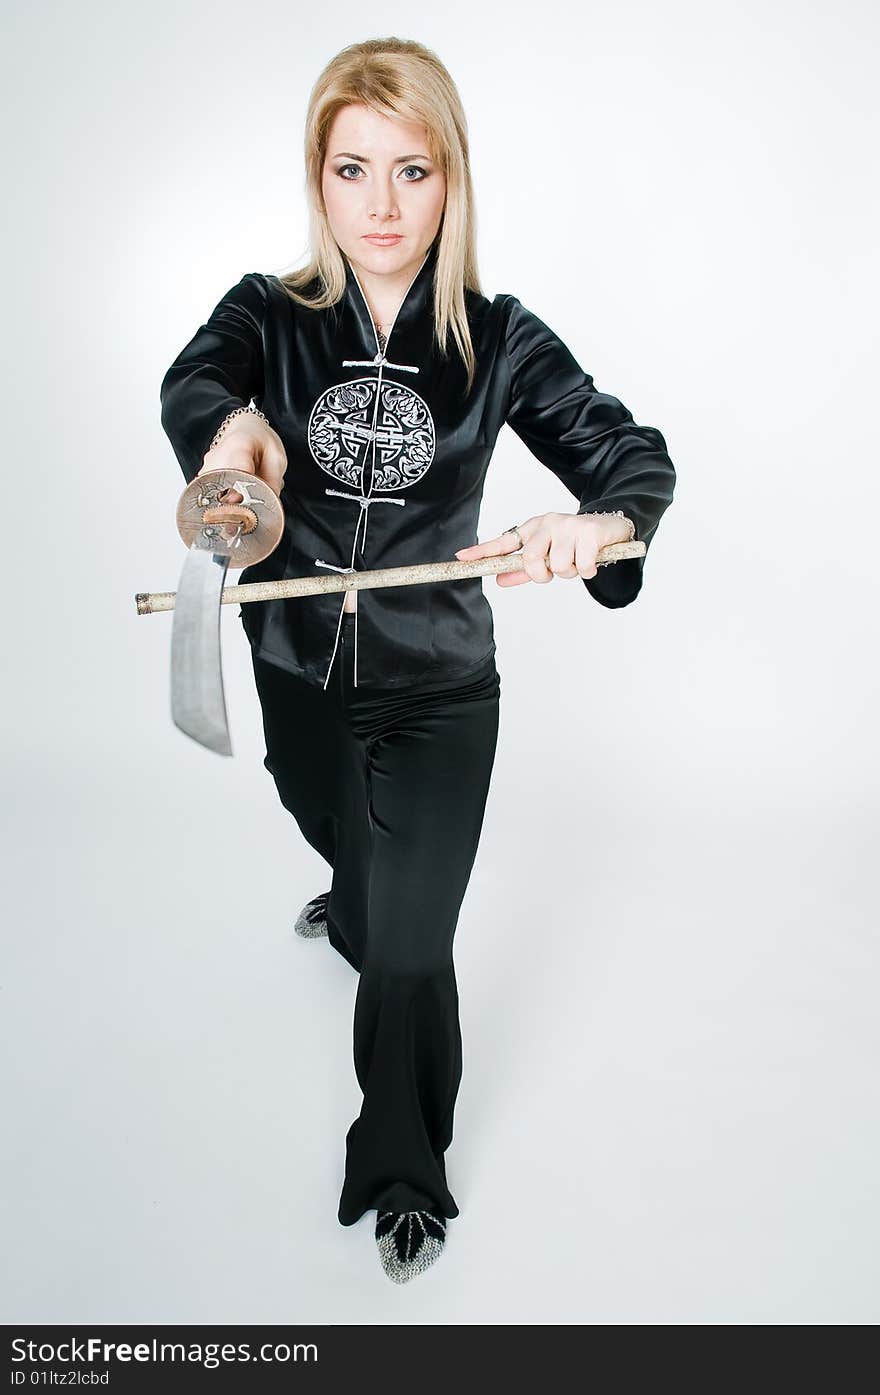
(618, 583)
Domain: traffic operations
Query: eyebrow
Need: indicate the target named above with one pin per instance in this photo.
(364, 159)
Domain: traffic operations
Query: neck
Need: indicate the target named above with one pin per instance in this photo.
(385, 294)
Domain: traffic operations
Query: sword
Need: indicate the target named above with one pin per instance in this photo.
(198, 704)
(219, 535)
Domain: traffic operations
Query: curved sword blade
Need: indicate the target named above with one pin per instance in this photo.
(198, 705)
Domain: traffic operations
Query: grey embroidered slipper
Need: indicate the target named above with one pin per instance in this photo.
(312, 919)
(409, 1241)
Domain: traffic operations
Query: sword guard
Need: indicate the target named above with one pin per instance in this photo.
(258, 518)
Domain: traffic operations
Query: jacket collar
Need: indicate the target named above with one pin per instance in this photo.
(417, 302)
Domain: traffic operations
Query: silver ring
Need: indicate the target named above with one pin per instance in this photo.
(519, 541)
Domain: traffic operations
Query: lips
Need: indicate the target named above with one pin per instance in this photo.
(383, 239)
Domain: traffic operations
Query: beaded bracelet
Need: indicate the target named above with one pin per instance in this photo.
(255, 411)
(611, 513)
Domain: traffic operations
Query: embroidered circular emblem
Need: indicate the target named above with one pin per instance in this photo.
(341, 435)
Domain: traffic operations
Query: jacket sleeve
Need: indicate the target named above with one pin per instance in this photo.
(220, 369)
(590, 442)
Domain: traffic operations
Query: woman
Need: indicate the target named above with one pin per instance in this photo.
(368, 389)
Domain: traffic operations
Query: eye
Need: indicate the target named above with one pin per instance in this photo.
(350, 179)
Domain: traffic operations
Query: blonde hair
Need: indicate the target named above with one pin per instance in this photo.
(402, 79)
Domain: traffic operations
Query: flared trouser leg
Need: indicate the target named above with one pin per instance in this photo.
(429, 780)
(394, 786)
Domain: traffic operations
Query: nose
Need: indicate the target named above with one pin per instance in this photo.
(383, 203)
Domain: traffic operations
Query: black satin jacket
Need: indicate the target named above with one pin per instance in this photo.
(387, 460)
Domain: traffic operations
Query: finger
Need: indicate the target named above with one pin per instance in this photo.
(560, 558)
(534, 555)
(495, 547)
(536, 567)
(512, 578)
(585, 558)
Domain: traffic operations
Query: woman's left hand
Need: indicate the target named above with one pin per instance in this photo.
(554, 544)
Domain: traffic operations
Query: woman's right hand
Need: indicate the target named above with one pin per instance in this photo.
(252, 447)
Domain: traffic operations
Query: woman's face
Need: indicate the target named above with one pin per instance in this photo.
(378, 177)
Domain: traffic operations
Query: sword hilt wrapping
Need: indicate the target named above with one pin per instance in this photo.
(231, 514)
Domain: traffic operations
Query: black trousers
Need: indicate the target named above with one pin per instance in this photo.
(390, 788)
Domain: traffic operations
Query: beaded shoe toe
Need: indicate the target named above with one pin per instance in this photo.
(312, 920)
(409, 1241)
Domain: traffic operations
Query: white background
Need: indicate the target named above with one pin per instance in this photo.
(667, 957)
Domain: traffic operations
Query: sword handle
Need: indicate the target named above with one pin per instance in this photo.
(204, 510)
